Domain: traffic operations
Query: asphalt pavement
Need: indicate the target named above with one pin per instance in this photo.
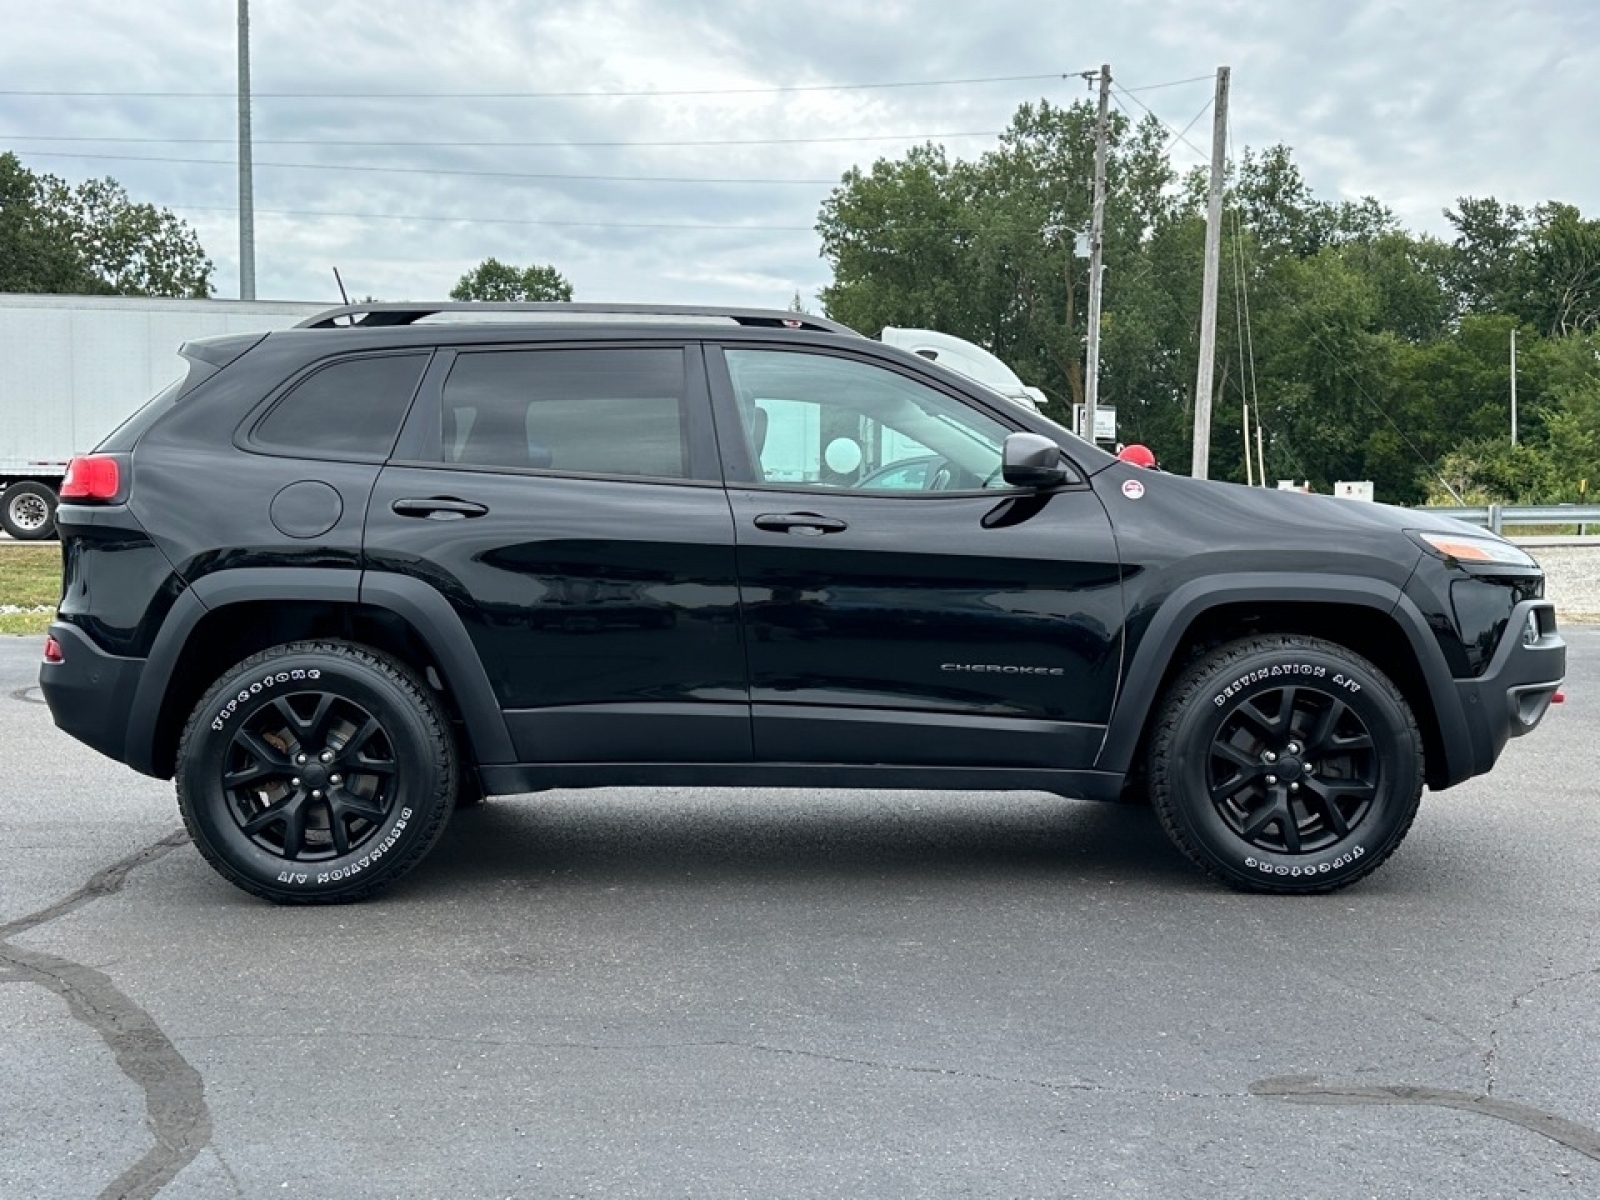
(708, 993)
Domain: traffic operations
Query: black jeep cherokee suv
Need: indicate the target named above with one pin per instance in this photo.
(343, 578)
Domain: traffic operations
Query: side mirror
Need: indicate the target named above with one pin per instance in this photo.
(1031, 460)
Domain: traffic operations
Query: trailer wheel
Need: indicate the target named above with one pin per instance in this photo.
(28, 511)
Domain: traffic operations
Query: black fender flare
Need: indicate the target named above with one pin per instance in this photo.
(1162, 638)
(420, 606)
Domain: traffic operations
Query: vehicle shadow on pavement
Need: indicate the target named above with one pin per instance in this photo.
(612, 835)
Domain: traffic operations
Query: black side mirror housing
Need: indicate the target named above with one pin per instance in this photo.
(1031, 460)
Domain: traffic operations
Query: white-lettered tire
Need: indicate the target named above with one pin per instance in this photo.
(1283, 763)
(316, 773)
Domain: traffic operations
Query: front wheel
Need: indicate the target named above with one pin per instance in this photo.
(316, 772)
(1285, 764)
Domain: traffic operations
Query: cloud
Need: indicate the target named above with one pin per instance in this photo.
(1416, 103)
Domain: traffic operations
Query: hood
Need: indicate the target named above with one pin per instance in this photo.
(1293, 509)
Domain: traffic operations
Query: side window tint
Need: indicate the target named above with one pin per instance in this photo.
(351, 408)
(599, 412)
(818, 421)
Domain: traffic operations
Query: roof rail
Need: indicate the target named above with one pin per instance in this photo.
(372, 316)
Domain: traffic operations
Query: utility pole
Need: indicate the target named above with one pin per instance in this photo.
(1208, 295)
(1513, 385)
(1249, 453)
(1091, 384)
(247, 203)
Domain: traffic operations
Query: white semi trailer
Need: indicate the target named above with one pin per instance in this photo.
(72, 368)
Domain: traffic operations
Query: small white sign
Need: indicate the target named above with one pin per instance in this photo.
(1105, 422)
(1360, 489)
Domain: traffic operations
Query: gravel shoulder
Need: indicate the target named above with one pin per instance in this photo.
(1572, 580)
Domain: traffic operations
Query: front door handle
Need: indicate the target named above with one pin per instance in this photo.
(439, 508)
(805, 524)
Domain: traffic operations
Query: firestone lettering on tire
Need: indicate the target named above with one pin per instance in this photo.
(277, 679)
(1300, 872)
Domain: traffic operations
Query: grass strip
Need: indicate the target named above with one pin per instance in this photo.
(30, 578)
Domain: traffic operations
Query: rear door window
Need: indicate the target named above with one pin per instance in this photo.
(602, 411)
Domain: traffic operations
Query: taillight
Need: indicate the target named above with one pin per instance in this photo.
(52, 651)
(92, 477)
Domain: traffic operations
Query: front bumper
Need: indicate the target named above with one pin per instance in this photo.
(90, 692)
(1512, 695)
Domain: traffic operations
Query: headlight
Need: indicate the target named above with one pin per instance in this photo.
(1482, 548)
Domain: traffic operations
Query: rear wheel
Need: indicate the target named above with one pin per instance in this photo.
(1285, 764)
(316, 772)
(28, 511)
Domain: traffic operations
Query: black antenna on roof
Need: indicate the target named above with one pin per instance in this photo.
(343, 295)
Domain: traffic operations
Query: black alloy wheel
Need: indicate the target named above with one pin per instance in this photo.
(1284, 763)
(310, 776)
(1293, 770)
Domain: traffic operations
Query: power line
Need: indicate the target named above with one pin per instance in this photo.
(1179, 137)
(757, 91)
(1152, 87)
(700, 227)
(226, 162)
(184, 141)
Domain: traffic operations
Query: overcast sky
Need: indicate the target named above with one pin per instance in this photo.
(1416, 102)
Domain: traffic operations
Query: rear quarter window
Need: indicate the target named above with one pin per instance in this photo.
(121, 439)
(350, 408)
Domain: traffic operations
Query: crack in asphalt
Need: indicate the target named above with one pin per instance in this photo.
(1491, 1056)
(174, 1093)
(1304, 1089)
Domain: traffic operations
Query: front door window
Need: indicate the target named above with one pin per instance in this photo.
(816, 421)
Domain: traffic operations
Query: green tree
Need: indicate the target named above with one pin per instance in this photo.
(1564, 271)
(1566, 376)
(1488, 272)
(897, 238)
(1366, 352)
(497, 281)
(36, 252)
(92, 238)
(985, 250)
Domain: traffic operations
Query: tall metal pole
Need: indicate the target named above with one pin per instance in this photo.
(1091, 387)
(1208, 295)
(247, 203)
(1513, 385)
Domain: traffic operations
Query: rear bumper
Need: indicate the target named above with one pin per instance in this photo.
(90, 692)
(1512, 695)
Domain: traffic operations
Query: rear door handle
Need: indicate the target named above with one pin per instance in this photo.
(439, 508)
(805, 524)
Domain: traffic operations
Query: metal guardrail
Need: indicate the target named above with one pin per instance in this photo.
(1498, 517)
